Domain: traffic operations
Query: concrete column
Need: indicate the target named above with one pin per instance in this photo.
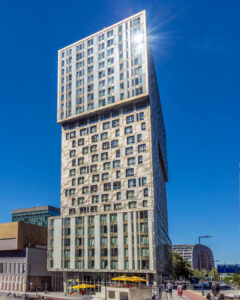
(85, 242)
(130, 254)
(72, 243)
(150, 237)
(97, 241)
(108, 241)
(57, 244)
(73, 84)
(135, 240)
(120, 242)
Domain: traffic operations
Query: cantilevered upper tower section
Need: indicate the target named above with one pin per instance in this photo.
(106, 68)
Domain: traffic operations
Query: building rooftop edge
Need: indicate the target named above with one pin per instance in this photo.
(104, 29)
(37, 208)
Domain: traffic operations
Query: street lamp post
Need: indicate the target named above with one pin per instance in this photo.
(200, 258)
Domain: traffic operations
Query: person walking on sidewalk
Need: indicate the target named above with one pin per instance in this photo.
(169, 288)
(180, 290)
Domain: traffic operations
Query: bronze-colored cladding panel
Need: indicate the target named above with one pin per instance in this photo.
(29, 233)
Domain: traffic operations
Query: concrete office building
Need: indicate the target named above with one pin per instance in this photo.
(114, 162)
(192, 254)
(35, 215)
(23, 259)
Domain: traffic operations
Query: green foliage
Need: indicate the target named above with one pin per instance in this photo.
(214, 274)
(197, 273)
(228, 280)
(233, 279)
(181, 268)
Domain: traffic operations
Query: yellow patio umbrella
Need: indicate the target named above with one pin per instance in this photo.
(137, 279)
(121, 278)
(83, 286)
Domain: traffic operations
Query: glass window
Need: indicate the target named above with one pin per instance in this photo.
(118, 174)
(129, 172)
(72, 153)
(95, 138)
(129, 150)
(130, 194)
(85, 190)
(141, 148)
(128, 130)
(118, 153)
(115, 123)
(83, 131)
(105, 146)
(107, 166)
(95, 178)
(130, 119)
(140, 116)
(131, 161)
(72, 172)
(104, 155)
(132, 204)
(119, 195)
(140, 159)
(117, 206)
(107, 207)
(93, 129)
(105, 176)
(80, 180)
(117, 132)
(93, 168)
(117, 185)
(116, 164)
(105, 198)
(131, 183)
(93, 148)
(143, 126)
(107, 187)
(95, 158)
(130, 140)
(85, 150)
(114, 143)
(145, 192)
(103, 218)
(81, 142)
(80, 200)
(104, 136)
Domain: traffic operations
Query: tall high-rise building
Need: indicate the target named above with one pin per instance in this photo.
(114, 160)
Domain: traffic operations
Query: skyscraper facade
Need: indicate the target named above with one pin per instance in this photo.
(114, 160)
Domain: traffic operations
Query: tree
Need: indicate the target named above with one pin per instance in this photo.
(236, 280)
(181, 268)
(214, 274)
(197, 273)
(233, 279)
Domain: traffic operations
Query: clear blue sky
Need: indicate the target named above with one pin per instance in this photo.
(196, 50)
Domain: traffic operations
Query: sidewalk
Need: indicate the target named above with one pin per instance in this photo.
(187, 295)
(193, 295)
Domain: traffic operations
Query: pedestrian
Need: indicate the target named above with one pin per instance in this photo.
(215, 294)
(180, 290)
(169, 288)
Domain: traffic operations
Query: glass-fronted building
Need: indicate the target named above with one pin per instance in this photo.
(114, 161)
(35, 215)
